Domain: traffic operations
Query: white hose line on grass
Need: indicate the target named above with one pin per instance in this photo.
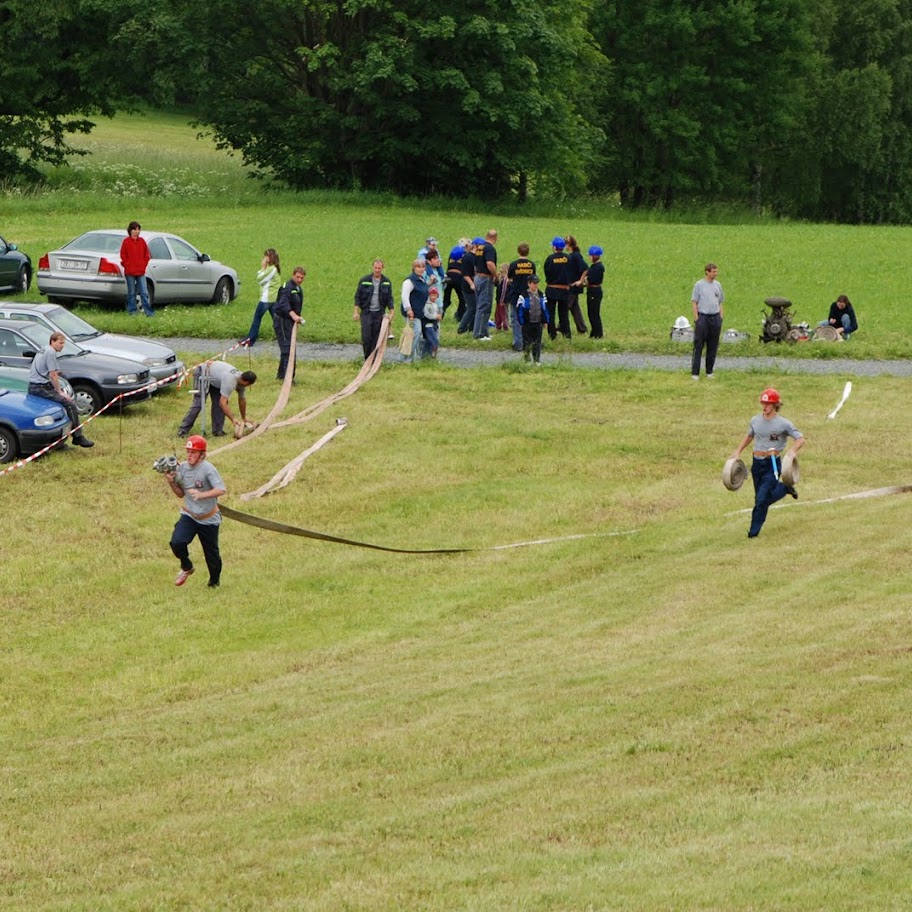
(287, 473)
(281, 402)
(847, 391)
(858, 495)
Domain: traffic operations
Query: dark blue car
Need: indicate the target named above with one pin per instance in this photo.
(28, 424)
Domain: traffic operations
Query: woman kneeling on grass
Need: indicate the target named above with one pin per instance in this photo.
(769, 432)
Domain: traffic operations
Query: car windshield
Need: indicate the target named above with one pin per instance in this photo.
(75, 327)
(97, 242)
(38, 336)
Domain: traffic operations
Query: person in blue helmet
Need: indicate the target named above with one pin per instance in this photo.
(595, 276)
(558, 272)
(454, 282)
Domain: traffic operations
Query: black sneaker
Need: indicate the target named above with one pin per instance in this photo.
(792, 491)
(181, 433)
(83, 442)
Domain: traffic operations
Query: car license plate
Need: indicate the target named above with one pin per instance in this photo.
(79, 265)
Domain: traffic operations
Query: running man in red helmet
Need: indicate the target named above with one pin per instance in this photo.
(198, 482)
(769, 432)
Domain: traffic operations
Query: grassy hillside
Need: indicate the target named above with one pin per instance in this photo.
(645, 710)
(154, 168)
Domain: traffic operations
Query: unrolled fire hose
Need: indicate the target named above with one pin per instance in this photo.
(273, 526)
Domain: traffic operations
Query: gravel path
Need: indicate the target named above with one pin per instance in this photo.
(473, 357)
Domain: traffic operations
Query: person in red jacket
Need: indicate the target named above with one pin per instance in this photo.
(134, 257)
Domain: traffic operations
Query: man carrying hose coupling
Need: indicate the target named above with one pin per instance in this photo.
(200, 485)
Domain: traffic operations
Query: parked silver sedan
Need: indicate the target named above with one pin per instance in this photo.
(161, 360)
(89, 269)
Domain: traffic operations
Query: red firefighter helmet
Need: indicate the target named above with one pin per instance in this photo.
(770, 395)
(197, 443)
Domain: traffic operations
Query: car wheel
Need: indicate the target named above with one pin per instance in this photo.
(151, 289)
(9, 445)
(88, 399)
(222, 293)
(23, 281)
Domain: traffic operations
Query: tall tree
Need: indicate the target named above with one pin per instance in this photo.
(55, 71)
(856, 158)
(700, 90)
(396, 95)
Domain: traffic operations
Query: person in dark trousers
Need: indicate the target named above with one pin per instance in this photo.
(373, 297)
(485, 277)
(467, 265)
(134, 257)
(769, 433)
(518, 273)
(594, 279)
(578, 270)
(454, 282)
(557, 288)
(198, 482)
(287, 311)
(532, 313)
(44, 381)
(218, 380)
(707, 301)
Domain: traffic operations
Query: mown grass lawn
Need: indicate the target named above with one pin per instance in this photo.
(647, 712)
(672, 718)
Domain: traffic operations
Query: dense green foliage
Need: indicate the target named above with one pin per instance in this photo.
(792, 107)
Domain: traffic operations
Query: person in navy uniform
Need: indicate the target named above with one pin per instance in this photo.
(557, 288)
(594, 279)
(287, 311)
(454, 282)
(578, 269)
(373, 298)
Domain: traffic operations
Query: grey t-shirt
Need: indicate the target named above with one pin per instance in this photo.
(770, 434)
(225, 377)
(203, 476)
(709, 296)
(42, 365)
(375, 297)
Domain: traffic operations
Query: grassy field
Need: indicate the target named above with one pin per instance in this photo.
(659, 714)
(156, 170)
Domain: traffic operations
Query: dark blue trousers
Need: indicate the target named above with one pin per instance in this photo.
(185, 530)
(767, 490)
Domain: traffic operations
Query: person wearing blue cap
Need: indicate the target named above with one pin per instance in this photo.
(454, 281)
(467, 264)
(594, 278)
(485, 276)
(557, 288)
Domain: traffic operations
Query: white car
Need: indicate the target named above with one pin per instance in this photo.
(162, 362)
(89, 269)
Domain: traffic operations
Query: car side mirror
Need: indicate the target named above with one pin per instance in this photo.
(12, 247)
(204, 258)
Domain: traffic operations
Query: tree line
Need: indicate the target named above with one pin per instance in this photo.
(798, 107)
